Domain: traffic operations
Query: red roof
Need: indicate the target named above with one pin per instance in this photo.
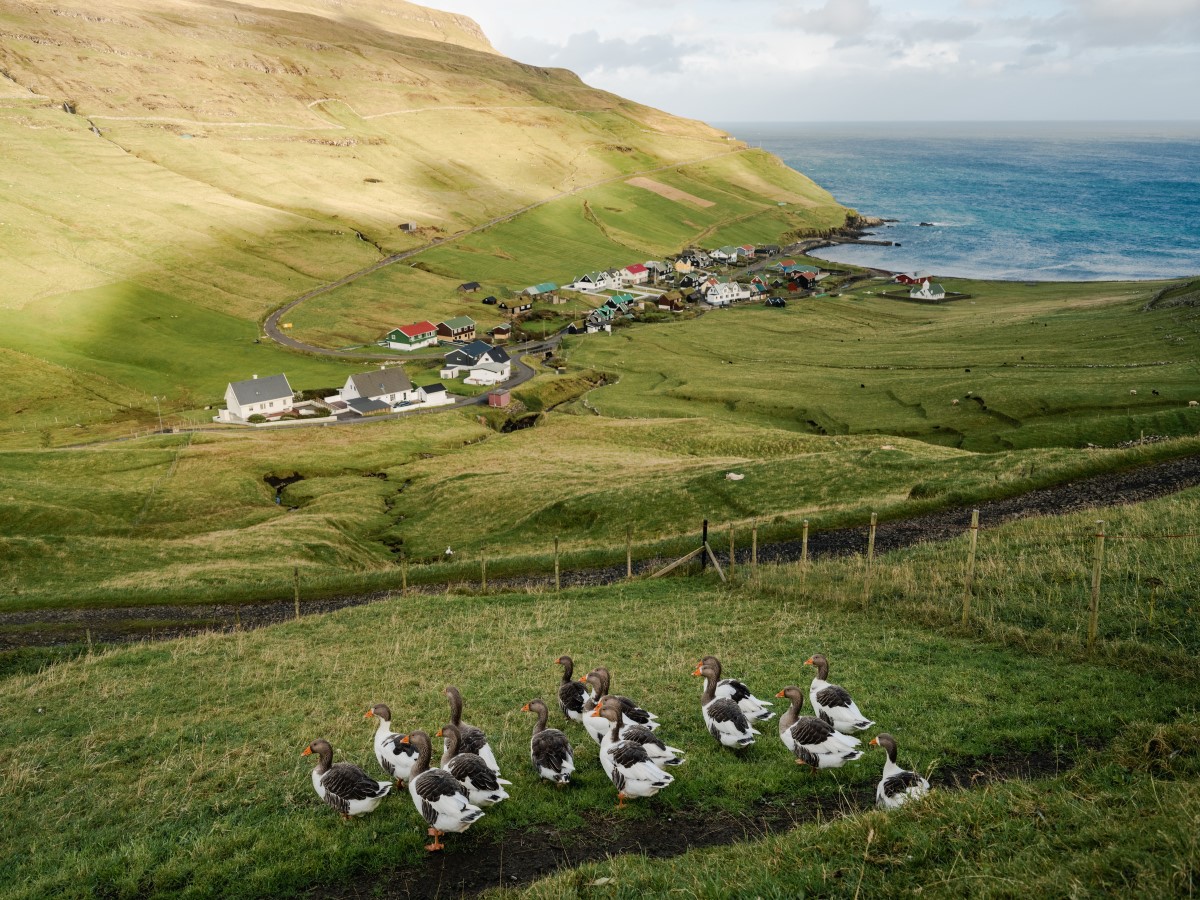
(636, 269)
(417, 329)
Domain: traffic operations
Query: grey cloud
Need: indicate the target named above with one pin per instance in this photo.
(1112, 23)
(848, 19)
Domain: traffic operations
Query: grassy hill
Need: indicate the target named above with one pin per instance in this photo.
(186, 167)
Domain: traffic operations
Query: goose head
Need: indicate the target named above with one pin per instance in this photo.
(381, 711)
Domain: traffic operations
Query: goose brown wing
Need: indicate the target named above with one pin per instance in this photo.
(551, 749)
(726, 710)
(900, 782)
(740, 691)
(811, 731)
(640, 734)
(434, 784)
(470, 765)
(349, 782)
(834, 695)
(571, 696)
(470, 739)
(627, 754)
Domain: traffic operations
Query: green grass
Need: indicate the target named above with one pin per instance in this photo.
(184, 775)
(1018, 367)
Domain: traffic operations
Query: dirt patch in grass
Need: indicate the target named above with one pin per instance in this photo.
(670, 193)
(470, 866)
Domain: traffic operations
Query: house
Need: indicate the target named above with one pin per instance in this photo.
(656, 268)
(777, 302)
(435, 395)
(724, 294)
(592, 281)
(746, 251)
(469, 287)
(498, 399)
(386, 385)
(683, 266)
(501, 333)
(914, 278)
(697, 258)
(408, 227)
(537, 290)
(412, 337)
(927, 291)
(460, 328)
(671, 302)
(767, 250)
(635, 274)
(724, 254)
(484, 364)
(259, 396)
(795, 269)
(783, 264)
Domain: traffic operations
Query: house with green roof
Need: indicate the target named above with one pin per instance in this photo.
(460, 328)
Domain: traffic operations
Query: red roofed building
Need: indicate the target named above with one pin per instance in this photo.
(412, 337)
(635, 274)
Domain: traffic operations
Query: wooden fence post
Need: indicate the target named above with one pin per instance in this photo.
(296, 588)
(803, 552)
(704, 544)
(732, 554)
(870, 561)
(483, 569)
(1097, 568)
(754, 547)
(629, 551)
(970, 580)
(557, 585)
(403, 574)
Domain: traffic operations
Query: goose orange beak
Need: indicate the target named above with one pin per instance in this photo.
(697, 672)
(439, 733)
(583, 680)
(307, 751)
(809, 662)
(370, 714)
(405, 740)
(525, 708)
(874, 742)
(596, 711)
(780, 694)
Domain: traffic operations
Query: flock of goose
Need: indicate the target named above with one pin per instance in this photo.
(452, 796)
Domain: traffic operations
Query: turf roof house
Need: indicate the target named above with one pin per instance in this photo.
(412, 337)
(482, 363)
(269, 397)
(460, 328)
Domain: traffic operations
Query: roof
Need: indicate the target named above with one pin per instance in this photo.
(546, 287)
(435, 388)
(473, 352)
(416, 329)
(261, 390)
(458, 323)
(623, 297)
(364, 406)
(636, 269)
(469, 286)
(381, 381)
(501, 328)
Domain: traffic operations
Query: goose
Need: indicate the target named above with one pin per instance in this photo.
(549, 748)
(439, 797)
(737, 691)
(484, 787)
(394, 758)
(573, 695)
(897, 786)
(470, 738)
(600, 679)
(832, 702)
(627, 764)
(344, 786)
(723, 718)
(813, 741)
(661, 754)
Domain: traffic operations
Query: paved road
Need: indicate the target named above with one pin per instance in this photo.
(275, 333)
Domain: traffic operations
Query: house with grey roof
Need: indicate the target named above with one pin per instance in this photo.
(268, 397)
(483, 363)
(383, 385)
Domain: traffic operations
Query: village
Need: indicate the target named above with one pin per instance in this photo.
(696, 280)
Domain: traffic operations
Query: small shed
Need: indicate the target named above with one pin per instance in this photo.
(498, 399)
(469, 287)
(408, 227)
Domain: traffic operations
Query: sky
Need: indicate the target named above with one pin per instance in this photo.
(867, 60)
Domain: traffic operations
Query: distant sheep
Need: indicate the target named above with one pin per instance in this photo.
(1133, 393)
(1194, 403)
(954, 402)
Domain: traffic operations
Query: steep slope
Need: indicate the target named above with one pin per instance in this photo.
(230, 156)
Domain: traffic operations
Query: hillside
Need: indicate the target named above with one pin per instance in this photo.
(205, 162)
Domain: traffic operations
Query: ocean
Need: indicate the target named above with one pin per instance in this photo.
(1014, 201)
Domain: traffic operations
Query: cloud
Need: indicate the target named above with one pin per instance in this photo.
(1114, 23)
(587, 52)
(840, 18)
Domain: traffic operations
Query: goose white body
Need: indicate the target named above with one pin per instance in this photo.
(728, 731)
(352, 807)
(753, 707)
(394, 758)
(451, 812)
(845, 716)
(598, 726)
(898, 786)
(640, 779)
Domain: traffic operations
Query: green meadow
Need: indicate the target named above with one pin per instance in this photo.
(185, 779)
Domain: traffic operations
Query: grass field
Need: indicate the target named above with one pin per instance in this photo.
(1016, 367)
(184, 776)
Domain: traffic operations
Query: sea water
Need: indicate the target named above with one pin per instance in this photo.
(1023, 201)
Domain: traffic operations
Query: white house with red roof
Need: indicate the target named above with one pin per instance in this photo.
(635, 274)
(412, 337)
